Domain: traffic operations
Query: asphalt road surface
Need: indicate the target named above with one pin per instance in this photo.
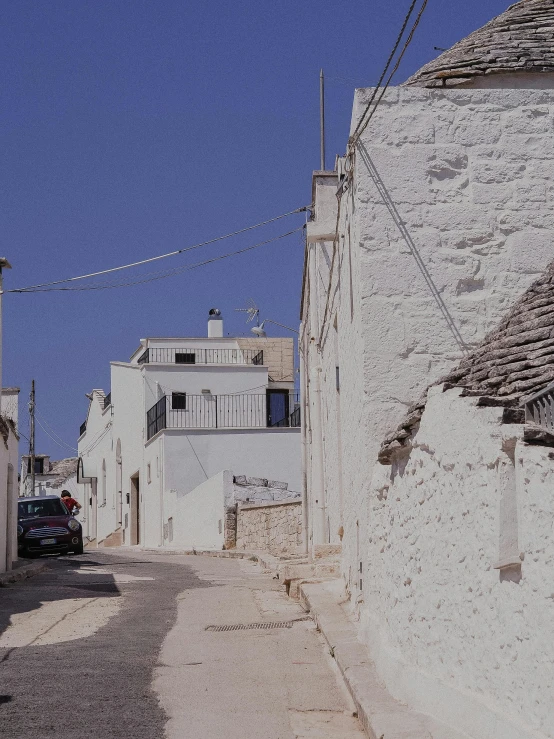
(114, 644)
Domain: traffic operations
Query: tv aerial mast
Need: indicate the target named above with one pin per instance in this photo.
(252, 311)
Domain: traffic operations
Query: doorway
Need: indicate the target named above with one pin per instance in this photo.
(278, 413)
(135, 507)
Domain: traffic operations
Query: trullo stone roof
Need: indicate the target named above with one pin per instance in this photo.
(511, 363)
(519, 40)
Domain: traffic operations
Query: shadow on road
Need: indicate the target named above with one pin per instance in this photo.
(64, 583)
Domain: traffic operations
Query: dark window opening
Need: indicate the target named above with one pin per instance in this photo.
(178, 401)
(39, 466)
(185, 358)
(337, 378)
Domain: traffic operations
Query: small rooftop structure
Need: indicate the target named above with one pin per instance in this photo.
(520, 40)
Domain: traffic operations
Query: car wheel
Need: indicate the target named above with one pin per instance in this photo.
(79, 549)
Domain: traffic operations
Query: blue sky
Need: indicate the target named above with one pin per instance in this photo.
(132, 128)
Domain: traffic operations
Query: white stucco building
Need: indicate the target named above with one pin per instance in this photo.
(180, 413)
(9, 443)
(436, 221)
(51, 477)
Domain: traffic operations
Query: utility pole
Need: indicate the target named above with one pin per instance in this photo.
(322, 119)
(4, 264)
(32, 435)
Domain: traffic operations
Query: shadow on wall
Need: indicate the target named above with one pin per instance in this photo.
(399, 222)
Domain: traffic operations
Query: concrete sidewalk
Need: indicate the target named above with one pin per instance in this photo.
(381, 715)
(219, 675)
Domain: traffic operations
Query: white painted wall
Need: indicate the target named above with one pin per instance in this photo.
(9, 457)
(447, 220)
(197, 519)
(167, 462)
(450, 634)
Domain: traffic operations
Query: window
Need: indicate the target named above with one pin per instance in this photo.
(148, 474)
(178, 401)
(39, 466)
(185, 358)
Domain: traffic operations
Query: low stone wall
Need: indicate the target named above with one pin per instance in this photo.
(274, 527)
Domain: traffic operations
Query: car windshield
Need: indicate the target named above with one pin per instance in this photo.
(36, 508)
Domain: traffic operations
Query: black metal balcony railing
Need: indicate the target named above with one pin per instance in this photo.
(107, 401)
(270, 410)
(185, 355)
(82, 428)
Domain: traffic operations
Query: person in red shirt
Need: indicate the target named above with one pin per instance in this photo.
(69, 502)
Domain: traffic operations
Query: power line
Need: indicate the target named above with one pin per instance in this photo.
(59, 443)
(157, 275)
(395, 69)
(31, 288)
(362, 125)
(60, 440)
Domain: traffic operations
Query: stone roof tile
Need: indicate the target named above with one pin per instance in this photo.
(512, 362)
(519, 40)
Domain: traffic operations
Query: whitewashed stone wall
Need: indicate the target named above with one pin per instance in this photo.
(274, 527)
(448, 218)
(446, 221)
(450, 634)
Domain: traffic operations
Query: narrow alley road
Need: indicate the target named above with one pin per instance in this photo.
(116, 644)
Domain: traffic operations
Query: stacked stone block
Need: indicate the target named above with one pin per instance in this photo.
(274, 527)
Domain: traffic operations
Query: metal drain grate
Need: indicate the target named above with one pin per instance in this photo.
(261, 625)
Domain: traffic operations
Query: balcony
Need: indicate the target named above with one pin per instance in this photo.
(274, 409)
(184, 355)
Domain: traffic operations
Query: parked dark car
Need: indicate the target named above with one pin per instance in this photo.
(45, 526)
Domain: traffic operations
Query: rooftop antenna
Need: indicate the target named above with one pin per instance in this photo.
(322, 119)
(252, 311)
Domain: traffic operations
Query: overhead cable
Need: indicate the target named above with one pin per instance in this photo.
(59, 443)
(158, 275)
(31, 288)
(362, 123)
(395, 69)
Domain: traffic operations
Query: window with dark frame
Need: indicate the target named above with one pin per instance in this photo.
(39, 466)
(178, 401)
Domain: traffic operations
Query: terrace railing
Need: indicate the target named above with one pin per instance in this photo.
(208, 411)
(539, 409)
(187, 355)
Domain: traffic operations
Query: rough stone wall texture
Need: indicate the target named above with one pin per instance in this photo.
(258, 490)
(448, 218)
(270, 527)
(278, 356)
(450, 634)
(452, 220)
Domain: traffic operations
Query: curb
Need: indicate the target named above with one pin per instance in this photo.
(22, 573)
(380, 714)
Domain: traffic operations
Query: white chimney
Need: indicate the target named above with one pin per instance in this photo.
(215, 324)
